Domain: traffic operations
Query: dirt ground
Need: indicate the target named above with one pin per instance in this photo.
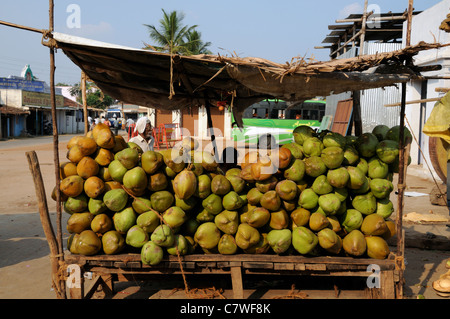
(24, 252)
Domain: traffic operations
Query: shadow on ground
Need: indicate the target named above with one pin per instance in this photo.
(22, 237)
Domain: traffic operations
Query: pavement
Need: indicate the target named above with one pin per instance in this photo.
(24, 252)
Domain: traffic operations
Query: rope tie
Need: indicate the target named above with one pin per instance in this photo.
(47, 39)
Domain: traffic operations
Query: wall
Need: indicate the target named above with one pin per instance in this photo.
(11, 97)
(425, 27)
(189, 121)
(221, 121)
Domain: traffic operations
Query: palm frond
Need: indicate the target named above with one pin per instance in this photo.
(174, 37)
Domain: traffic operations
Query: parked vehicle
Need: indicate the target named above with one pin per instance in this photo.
(273, 117)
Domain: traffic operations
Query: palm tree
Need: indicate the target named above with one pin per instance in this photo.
(194, 44)
(170, 36)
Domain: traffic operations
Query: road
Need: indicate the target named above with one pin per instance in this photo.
(24, 252)
(32, 141)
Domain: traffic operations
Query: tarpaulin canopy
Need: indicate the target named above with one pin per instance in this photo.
(163, 81)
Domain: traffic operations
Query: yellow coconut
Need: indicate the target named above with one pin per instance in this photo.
(104, 156)
(94, 186)
(86, 145)
(74, 154)
(67, 169)
(87, 167)
(72, 186)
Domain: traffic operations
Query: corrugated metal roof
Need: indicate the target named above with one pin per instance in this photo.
(372, 101)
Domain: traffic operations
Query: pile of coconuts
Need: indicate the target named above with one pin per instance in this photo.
(323, 194)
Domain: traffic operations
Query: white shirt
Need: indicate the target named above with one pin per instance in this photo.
(145, 146)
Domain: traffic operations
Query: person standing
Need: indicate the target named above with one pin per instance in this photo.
(129, 122)
(144, 138)
(116, 126)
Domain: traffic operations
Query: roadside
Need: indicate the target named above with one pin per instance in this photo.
(24, 252)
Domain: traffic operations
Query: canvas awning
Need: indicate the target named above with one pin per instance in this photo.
(157, 80)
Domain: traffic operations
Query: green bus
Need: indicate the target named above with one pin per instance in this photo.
(273, 117)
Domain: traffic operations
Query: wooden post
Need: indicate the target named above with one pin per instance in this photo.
(409, 20)
(83, 98)
(33, 164)
(211, 129)
(55, 142)
(404, 145)
(236, 281)
(356, 116)
(362, 37)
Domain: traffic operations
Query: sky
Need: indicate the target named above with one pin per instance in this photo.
(274, 30)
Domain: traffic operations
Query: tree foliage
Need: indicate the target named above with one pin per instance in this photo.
(94, 96)
(173, 37)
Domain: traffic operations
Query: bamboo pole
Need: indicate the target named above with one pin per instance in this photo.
(362, 37)
(55, 144)
(402, 17)
(18, 26)
(434, 99)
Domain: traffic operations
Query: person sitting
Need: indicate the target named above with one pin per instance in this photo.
(144, 137)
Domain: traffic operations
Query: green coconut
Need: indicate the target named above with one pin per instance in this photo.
(304, 240)
(279, 240)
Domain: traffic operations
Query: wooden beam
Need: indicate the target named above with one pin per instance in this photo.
(373, 19)
(362, 36)
(345, 44)
(434, 99)
(437, 77)
(384, 30)
(18, 26)
(338, 27)
(236, 280)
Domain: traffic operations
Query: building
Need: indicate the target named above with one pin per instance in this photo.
(425, 27)
(384, 32)
(194, 122)
(368, 33)
(25, 107)
(23, 100)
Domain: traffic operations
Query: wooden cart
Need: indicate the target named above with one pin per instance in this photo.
(382, 277)
(107, 269)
